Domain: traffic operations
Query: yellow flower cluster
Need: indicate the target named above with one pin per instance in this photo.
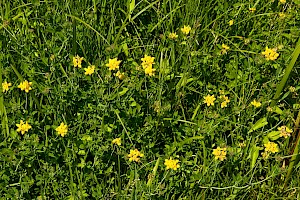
(186, 29)
(270, 54)
(117, 141)
(25, 85)
(219, 153)
(23, 127)
(135, 155)
(172, 164)
(230, 22)
(5, 86)
(173, 36)
(113, 64)
(285, 131)
(224, 49)
(77, 61)
(89, 70)
(209, 100)
(256, 103)
(271, 147)
(252, 10)
(62, 129)
(120, 75)
(225, 101)
(147, 63)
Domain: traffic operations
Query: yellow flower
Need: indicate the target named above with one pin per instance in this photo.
(113, 64)
(77, 61)
(221, 91)
(230, 22)
(120, 75)
(282, 15)
(223, 104)
(271, 147)
(117, 141)
(89, 70)
(292, 89)
(252, 9)
(265, 155)
(270, 54)
(186, 29)
(135, 155)
(173, 36)
(282, 1)
(209, 100)
(225, 47)
(225, 101)
(25, 85)
(62, 129)
(285, 131)
(172, 164)
(219, 153)
(5, 86)
(147, 61)
(256, 103)
(150, 71)
(23, 127)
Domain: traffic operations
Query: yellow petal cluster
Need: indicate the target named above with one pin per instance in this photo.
(186, 29)
(230, 22)
(25, 85)
(209, 100)
(147, 63)
(173, 36)
(23, 127)
(62, 129)
(120, 75)
(256, 103)
(270, 54)
(172, 164)
(89, 70)
(113, 64)
(5, 86)
(225, 101)
(271, 147)
(77, 60)
(117, 141)
(285, 131)
(219, 153)
(135, 155)
(224, 49)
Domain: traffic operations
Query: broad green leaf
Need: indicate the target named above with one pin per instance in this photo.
(274, 135)
(260, 123)
(254, 152)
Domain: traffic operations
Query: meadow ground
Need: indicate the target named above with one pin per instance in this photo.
(145, 99)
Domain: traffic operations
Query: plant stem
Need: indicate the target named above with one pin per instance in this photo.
(286, 74)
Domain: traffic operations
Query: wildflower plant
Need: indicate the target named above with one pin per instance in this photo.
(158, 78)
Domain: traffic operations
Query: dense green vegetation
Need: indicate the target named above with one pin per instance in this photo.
(115, 99)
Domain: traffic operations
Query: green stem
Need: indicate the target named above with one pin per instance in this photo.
(286, 74)
(295, 153)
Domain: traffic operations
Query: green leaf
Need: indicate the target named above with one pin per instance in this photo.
(260, 123)
(274, 135)
(131, 6)
(123, 91)
(254, 152)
